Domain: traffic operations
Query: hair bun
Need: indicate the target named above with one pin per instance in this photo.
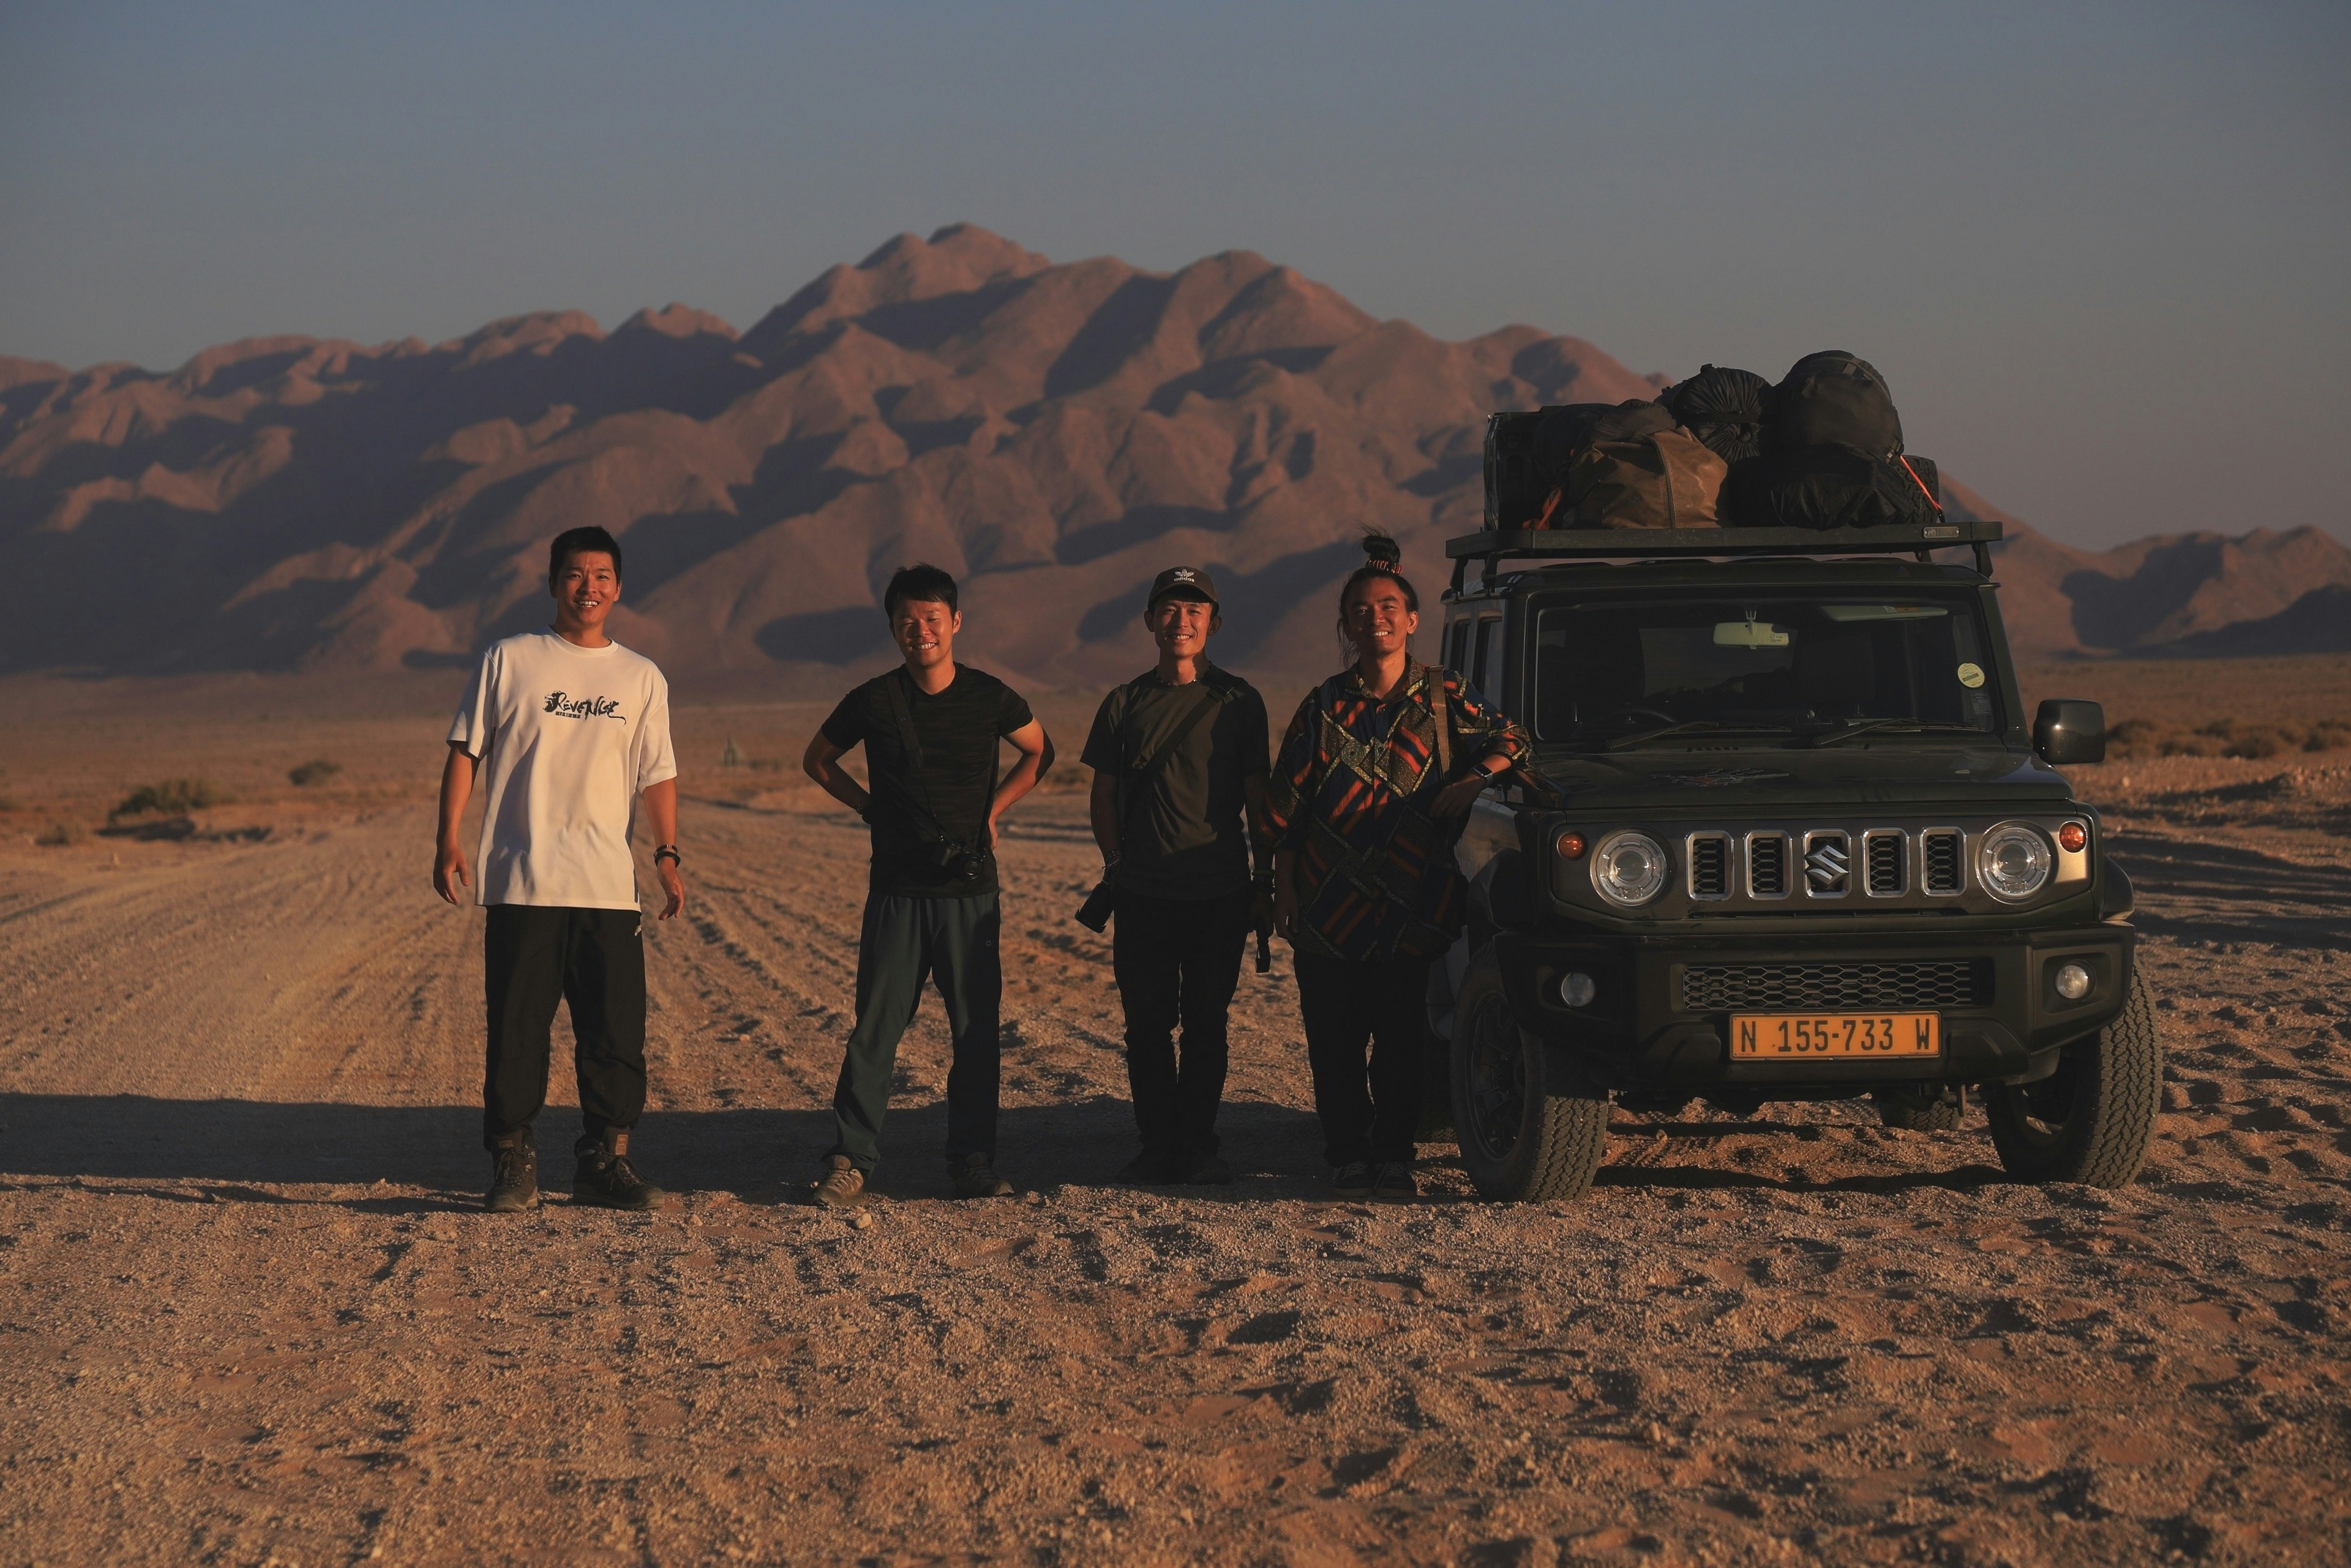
(1382, 550)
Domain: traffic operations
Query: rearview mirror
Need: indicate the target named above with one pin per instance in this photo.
(1748, 635)
(2068, 731)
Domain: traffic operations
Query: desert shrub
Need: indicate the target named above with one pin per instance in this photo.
(170, 795)
(2258, 743)
(56, 834)
(2328, 735)
(316, 771)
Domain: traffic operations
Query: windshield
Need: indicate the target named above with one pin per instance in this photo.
(1612, 672)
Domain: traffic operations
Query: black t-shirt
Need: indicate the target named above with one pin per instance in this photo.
(958, 729)
(1184, 838)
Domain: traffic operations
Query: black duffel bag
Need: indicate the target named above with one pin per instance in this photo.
(1576, 427)
(1831, 486)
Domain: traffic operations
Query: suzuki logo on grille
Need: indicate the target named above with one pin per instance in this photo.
(1825, 863)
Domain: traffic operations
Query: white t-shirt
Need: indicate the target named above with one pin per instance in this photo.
(568, 735)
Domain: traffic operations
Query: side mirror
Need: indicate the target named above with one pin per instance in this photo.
(2068, 731)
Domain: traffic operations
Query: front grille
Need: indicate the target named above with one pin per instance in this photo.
(1828, 864)
(1931, 984)
(1883, 854)
(1709, 865)
(1940, 859)
(1767, 865)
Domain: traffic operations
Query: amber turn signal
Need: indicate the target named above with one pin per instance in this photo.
(1571, 846)
(2072, 837)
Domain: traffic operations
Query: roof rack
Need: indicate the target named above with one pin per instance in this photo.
(1922, 539)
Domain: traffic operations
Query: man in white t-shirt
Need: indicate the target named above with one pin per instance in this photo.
(571, 730)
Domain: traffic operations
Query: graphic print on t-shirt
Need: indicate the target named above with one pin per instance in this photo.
(565, 705)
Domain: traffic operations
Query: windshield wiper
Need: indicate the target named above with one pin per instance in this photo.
(1906, 725)
(1642, 736)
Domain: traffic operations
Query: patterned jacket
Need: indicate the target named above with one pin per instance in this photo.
(1350, 796)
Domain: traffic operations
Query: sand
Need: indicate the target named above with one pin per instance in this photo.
(249, 1311)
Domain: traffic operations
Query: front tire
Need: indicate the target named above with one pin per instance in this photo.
(1531, 1127)
(2090, 1121)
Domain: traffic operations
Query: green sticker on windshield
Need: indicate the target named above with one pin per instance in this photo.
(1971, 676)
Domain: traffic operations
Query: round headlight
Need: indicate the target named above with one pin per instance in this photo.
(1577, 989)
(1629, 868)
(2073, 982)
(2013, 862)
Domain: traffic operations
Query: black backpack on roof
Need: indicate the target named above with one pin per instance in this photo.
(1723, 408)
(1832, 398)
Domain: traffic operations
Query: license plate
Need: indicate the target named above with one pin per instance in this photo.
(1776, 1036)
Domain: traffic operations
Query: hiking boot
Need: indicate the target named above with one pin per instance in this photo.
(1152, 1167)
(842, 1186)
(514, 1178)
(1394, 1182)
(607, 1179)
(977, 1177)
(1206, 1170)
(1352, 1180)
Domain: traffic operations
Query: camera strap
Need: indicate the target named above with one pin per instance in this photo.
(1134, 782)
(912, 743)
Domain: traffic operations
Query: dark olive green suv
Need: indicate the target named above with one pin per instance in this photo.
(1789, 836)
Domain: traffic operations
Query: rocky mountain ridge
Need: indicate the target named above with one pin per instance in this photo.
(1052, 434)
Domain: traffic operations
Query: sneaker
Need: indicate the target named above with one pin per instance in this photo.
(843, 1184)
(1206, 1170)
(514, 1180)
(977, 1177)
(1352, 1180)
(1394, 1184)
(605, 1177)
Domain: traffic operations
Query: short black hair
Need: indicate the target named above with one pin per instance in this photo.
(921, 580)
(573, 541)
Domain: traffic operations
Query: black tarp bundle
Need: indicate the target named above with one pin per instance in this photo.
(1723, 408)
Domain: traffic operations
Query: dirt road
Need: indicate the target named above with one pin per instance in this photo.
(248, 1312)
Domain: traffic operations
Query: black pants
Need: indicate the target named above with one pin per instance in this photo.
(1345, 1007)
(903, 942)
(1176, 962)
(533, 957)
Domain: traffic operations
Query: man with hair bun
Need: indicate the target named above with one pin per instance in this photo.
(1376, 775)
(572, 730)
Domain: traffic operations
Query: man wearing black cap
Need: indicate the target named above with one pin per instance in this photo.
(1179, 755)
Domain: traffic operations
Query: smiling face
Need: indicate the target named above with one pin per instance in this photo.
(1379, 619)
(925, 631)
(1181, 626)
(585, 587)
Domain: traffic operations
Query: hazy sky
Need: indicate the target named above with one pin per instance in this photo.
(2102, 254)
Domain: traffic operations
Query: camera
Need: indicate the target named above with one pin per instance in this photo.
(954, 858)
(1101, 904)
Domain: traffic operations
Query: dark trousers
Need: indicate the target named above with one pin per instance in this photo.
(1176, 962)
(1345, 1007)
(903, 942)
(533, 957)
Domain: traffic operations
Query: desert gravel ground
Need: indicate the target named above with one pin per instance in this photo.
(249, 1312)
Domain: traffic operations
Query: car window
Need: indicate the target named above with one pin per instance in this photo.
(1609, 667)
(1480, 660)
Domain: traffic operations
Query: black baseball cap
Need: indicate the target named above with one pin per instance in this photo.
(1181, 582)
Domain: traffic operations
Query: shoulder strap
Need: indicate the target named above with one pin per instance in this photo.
(911, 743)
(1134, 782)
(1441, 710)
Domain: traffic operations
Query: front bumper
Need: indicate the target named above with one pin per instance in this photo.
(1653, 1025)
